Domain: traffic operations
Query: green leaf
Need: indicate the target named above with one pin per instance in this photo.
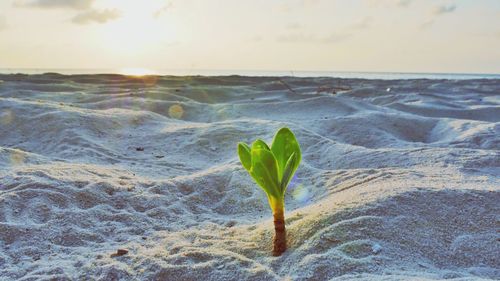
(260, 144)
(284, 145)
(265, 171)
(290, 168)
(272, 169)
(245, 156)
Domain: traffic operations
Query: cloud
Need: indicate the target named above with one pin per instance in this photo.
(437, 12)
(297, 37)
(335, 37)
(96, 16)
(403, 3)
(86, 13)
(309, 2)
(443, 9)
(296, 33)
(50, 4)
(291, 5)
(389, 3)
(163, 9)
(426, 24)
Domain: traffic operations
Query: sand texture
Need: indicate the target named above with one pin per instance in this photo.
(400, 179)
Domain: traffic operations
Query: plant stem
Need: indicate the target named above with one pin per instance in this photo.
(279, 234)
(279, 242)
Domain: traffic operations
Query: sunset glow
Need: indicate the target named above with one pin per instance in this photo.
(131, 71)
(297, 35)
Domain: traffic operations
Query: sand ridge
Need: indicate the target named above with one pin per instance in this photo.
(400, 179)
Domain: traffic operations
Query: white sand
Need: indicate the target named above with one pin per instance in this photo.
(395, 184)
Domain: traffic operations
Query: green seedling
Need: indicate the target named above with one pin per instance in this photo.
(272, 169)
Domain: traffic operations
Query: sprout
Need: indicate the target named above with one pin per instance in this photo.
(272, 169)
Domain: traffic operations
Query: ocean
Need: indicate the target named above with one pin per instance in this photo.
(337, 74)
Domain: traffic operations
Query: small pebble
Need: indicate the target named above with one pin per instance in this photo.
(422, 265)
(119, 252)
(376, 248)
(330, 239)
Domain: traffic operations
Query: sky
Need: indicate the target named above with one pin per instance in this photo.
(442, 36)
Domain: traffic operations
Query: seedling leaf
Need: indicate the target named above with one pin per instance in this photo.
(245, 155)
(284, 145)
(260, 144)
(290, 168)
(265, 171)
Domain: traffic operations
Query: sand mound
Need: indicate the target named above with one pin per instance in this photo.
(399, 180)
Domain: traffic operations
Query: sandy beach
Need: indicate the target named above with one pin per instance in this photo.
(399, 180)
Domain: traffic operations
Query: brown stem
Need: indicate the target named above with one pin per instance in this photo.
(280, 233)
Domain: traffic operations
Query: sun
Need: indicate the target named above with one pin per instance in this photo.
(137, 71)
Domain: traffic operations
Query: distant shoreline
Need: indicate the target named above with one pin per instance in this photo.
(334, 74)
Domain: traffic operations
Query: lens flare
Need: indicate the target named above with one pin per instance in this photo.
(17, 158)
(301, 193)
(298, 190)
(222, 114)
(6, 117)
(176, 111)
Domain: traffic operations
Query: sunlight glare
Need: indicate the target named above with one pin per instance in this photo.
(137, 31)
(176, 111)
(136, 71)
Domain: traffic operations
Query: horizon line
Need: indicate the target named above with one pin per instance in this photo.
(162, 71)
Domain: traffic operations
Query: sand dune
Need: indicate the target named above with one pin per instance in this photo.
(400, 179)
